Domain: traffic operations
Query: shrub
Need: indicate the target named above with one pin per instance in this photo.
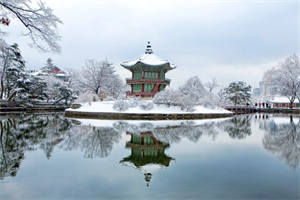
(120, 105)
(144, 105)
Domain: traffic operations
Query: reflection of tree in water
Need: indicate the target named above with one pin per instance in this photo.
(25, 134)
(188, 129)
(284, 141)
(238, 127)
(28, 133)
(93, 141)
(100, 142)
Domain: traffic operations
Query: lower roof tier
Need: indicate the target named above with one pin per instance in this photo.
(142, 81)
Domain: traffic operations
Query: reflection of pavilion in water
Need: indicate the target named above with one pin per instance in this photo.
(146, 150)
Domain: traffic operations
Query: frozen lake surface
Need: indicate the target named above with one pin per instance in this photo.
(245, 157)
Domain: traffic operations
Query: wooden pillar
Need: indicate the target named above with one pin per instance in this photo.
(143, 74)
(143, 87)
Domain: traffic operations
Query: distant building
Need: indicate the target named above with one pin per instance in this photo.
(54, 71)
(283, 102)
(148, 74)
(256, 91)
(267, 90)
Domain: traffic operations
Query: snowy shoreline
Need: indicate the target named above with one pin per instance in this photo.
(104, 110)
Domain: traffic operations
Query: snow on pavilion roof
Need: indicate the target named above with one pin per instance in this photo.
(148, 58)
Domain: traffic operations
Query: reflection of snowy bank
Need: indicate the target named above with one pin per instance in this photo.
(105, 109)
(166, 131)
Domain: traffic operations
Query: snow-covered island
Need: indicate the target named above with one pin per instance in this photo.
(149, 95)
(108, 107)
(143, 109)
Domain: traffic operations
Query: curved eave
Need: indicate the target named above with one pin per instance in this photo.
(162, 160)
(167, 66)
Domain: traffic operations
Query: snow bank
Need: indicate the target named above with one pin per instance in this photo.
(280, 99)
(107, 107)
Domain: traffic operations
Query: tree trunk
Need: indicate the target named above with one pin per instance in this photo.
(291, 104)
(10, 98)
(2, 78)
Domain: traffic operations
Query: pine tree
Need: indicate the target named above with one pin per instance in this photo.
(48, 68)
(13, 71)
(238, 92)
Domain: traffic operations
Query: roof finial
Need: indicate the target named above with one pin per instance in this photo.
(149, 48)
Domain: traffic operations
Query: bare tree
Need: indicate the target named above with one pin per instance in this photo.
(100, 78)
(38, 19)
(211, 85)
(285, 78)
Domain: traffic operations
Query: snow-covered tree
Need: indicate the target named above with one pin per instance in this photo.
(58, 90)
(238, 92)
(194, 89)
(87, 97)
(167, 96)
(189, 95)
(100, 78)
(16, 82)
(115, 87)
(37, 18)
(12, 71)
(285, 77)
(211, 85)
(222, 98)
(48, 68)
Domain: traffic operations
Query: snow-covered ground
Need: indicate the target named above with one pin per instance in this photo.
(107, 107)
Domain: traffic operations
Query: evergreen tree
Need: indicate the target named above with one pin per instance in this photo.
(13, 71)
(238, 92)
(48, 68)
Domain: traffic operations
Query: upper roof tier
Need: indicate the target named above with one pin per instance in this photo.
(149, 59)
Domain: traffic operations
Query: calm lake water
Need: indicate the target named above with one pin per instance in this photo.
(246, 157)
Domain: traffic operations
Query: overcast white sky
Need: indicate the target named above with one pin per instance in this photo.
(229, 39)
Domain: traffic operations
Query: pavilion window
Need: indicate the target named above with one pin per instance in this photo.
(137, 88)
(148, 87)
(151, 75)
(138, 75)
